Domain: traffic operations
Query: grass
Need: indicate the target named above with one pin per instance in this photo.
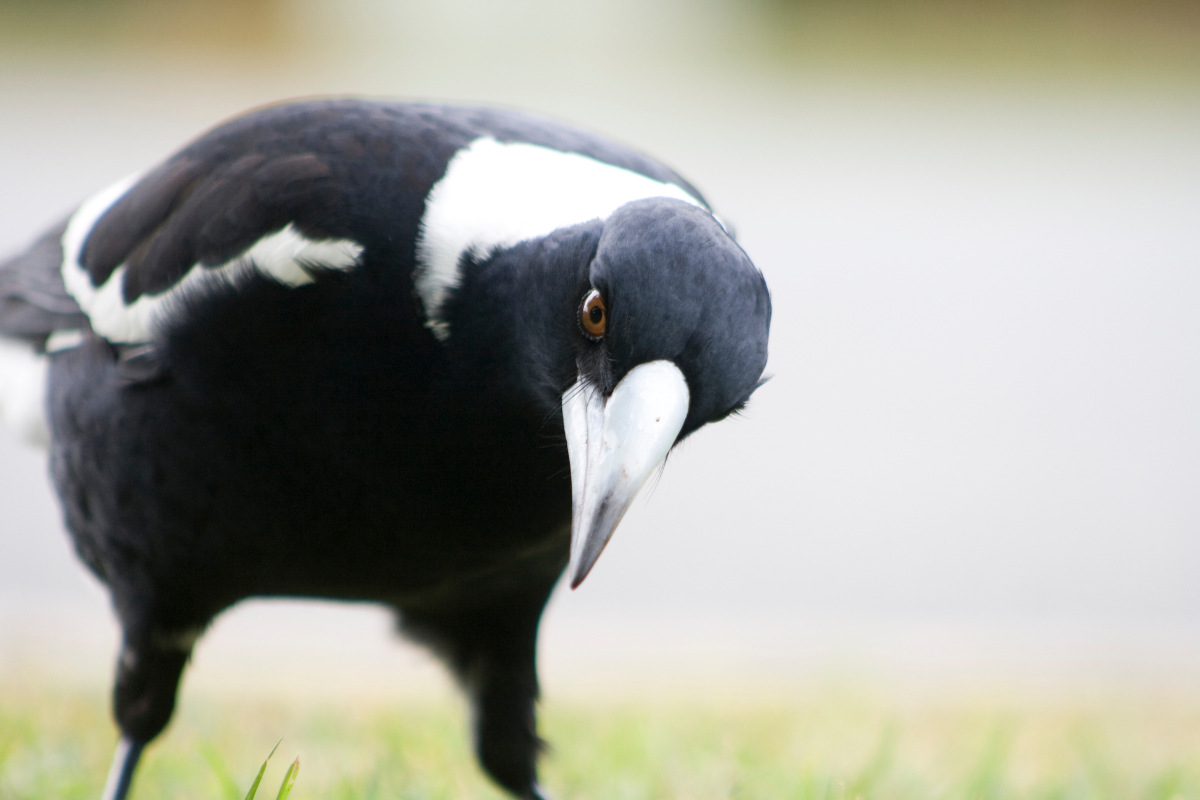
(289, 777)
(823, 744)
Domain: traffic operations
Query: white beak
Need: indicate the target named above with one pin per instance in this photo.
(615, 446)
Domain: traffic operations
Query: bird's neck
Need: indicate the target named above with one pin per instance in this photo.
(512, 321)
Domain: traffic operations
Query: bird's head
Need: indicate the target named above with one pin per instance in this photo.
(671, 333)
(641, 327)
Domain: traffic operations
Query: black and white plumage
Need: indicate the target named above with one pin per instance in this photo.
(334, 348)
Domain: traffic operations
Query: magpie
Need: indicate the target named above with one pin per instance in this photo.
(412, 354)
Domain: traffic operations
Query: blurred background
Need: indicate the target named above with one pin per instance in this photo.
(979, 457)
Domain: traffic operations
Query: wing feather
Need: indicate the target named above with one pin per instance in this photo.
(301, 176)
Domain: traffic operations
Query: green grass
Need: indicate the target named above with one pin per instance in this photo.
(289, 777)
(819, 744)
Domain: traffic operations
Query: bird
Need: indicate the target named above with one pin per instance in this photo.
(414, 354)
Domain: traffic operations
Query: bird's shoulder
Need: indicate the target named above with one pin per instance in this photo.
(300, 187)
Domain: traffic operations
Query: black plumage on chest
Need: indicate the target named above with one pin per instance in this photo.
(310, 441)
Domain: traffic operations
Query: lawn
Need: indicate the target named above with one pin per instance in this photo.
(832, 742)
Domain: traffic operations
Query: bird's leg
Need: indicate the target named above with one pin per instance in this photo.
(120, 774)
(152, 659)
(491, 651)
(502, 688)
(148, 675)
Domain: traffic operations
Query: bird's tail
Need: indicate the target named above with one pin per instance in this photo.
(23, 390)
(36, 312)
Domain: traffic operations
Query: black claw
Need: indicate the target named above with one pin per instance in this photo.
(120, 775)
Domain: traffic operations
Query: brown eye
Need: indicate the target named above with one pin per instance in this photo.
(593, 316)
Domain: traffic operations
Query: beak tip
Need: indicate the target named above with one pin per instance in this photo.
(577, 576)
(581, 565)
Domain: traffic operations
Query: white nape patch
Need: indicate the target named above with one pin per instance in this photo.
(23, 391)
(495, 195)
(286, 256)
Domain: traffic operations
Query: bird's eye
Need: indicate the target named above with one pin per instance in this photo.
(593, 316)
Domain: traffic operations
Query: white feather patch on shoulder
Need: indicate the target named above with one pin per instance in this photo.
(498, 194)
(23, 391)
(286, 256)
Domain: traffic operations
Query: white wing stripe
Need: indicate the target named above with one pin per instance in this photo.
(285, 256)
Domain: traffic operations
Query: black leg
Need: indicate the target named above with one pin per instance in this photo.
(502, 687)
(153, 655)
(148, 675)
(492, 651)
(120, 775)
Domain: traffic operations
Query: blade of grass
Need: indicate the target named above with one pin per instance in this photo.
(289, 780)
(254, 786)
